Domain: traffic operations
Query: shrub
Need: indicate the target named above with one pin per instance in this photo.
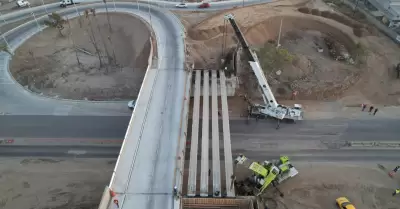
(326, 14)
(272, 58)
(316, 12)
(304, 10)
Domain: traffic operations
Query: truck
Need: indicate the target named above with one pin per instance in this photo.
(65, 3)
(251, 178)
(270, 108)
(23, 3)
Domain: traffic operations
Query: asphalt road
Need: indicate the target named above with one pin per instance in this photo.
(321, 140)
(308, 155)
(115, 127)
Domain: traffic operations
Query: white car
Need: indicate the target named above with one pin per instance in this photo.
(131, 104)
(181, 5)
(23, 3)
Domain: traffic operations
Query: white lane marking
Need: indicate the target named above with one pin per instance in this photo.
(76, 152)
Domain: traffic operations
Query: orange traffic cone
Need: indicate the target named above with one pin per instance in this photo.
(116, 203)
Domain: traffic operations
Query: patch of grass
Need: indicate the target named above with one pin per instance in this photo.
(273, 59)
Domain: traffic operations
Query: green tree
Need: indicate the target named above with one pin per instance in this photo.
(56, 21)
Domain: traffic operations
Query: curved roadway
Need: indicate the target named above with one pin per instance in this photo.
(144, 176)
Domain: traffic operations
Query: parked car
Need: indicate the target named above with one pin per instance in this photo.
(204, 5)
(23, 3)
(131, 104)
(181, 5)
(344, 203)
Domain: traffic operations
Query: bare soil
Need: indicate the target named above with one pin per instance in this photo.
(315, 75)
(47, 63)
(319, 184)
(53, 183)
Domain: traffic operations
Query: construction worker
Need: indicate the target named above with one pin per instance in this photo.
(363, 106)
(375, 111)
(397, 191)
(391, 173)
(116, 203)
(176, 192)
(370, 109)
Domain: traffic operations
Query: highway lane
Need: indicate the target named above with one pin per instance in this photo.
(215, 6)
(115, 127)
(40, 126)
(304, 155)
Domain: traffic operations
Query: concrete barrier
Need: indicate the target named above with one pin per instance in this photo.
(149, 65)
(374, 144)
(105, 198)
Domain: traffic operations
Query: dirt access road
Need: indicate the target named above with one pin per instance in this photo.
(319, 184)
(79, 183)
(53, 183)
(47, 63)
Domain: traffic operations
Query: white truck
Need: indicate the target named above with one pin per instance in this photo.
(23, 3)
(65, 3)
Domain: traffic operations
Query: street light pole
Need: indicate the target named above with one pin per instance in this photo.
(115, 8)
(34, 17)
(148, 2)
(4, 20)
(7, 44)
(45, 7)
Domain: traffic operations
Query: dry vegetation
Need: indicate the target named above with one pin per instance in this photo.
(332, 55)
(85, 59)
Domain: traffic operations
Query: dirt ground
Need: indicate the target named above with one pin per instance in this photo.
(315, 75)
(79, 183)
(47, 63)
(53, 183)
(319, 184)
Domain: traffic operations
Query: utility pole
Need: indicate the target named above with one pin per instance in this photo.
(279, 36)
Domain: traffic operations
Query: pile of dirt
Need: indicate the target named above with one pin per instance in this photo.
(48, 62)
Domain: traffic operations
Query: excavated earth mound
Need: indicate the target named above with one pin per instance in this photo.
(316, 75)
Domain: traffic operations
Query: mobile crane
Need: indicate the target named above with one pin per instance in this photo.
(270, 107)
(252, 178)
